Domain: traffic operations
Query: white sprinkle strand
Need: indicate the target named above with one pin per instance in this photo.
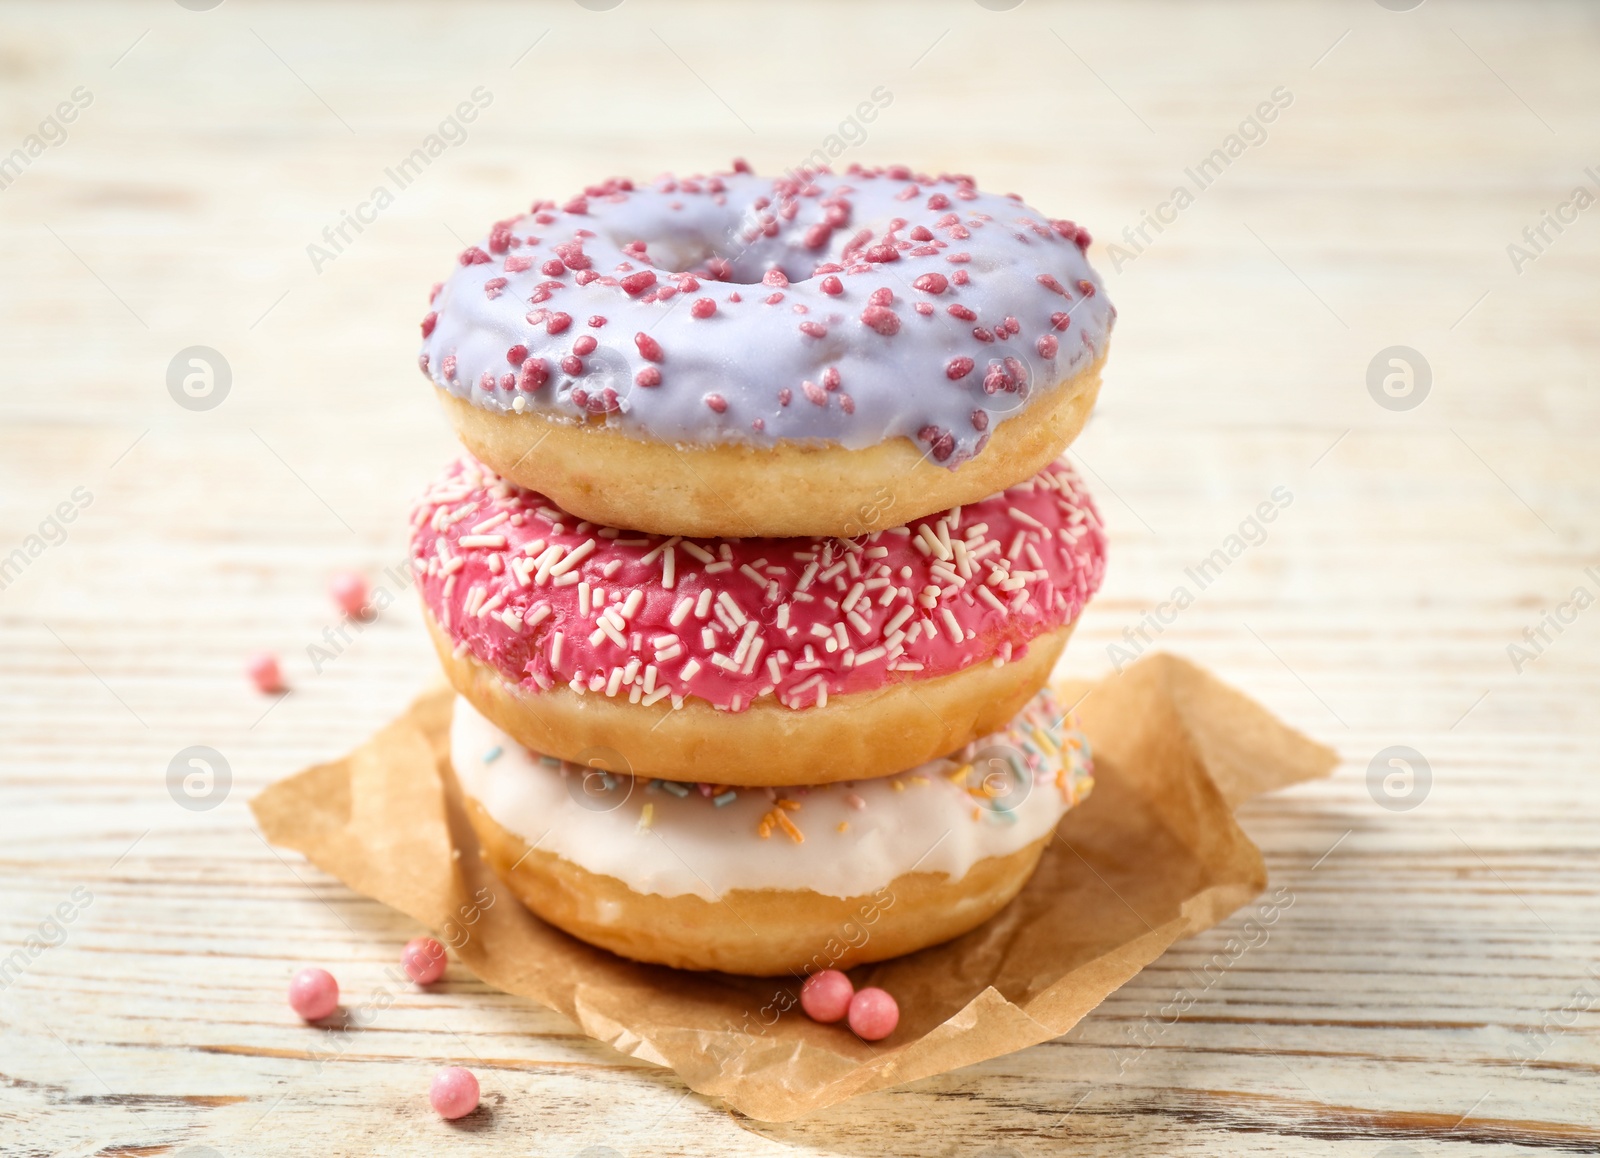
(573, 557)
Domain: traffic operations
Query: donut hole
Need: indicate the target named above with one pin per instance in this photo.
(679, 254)
(727, 259)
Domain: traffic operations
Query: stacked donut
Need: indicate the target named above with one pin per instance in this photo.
(754, 582)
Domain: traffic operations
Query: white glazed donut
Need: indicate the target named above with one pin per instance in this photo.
(735, 356)
(768, 881)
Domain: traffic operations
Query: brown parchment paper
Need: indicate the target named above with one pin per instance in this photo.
(1152, 856)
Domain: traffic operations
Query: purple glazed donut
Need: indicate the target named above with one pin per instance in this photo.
(737, 356)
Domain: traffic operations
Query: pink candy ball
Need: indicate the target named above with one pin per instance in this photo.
(349, 591)
(424, 960)
(454, 1092)
(873, 1014)
(265, 673)
(826, 996)
(313, 994)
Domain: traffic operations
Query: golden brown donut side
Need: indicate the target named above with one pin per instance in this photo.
(853, 737)
(741, 491)
(761, 932)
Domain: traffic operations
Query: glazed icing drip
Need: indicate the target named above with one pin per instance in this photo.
(545, 598)
(842, 840)
(847, 308)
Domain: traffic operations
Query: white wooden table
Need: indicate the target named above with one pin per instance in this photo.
(1428, 988)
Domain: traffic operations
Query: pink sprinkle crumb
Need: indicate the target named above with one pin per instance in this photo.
(636, 283)
(825, 996)
(424, 960)
(649, 348)
(265, 673)
(881, 319)
(717, 403)
(703, 308)
(453, 1093)
(349, 591)
(313, 994)
(535, 373)
(873, 1014)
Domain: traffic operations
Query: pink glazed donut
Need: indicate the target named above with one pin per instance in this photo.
(735, 356)
(754, 661)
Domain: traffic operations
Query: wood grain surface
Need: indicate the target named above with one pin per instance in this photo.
(1428, 988)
